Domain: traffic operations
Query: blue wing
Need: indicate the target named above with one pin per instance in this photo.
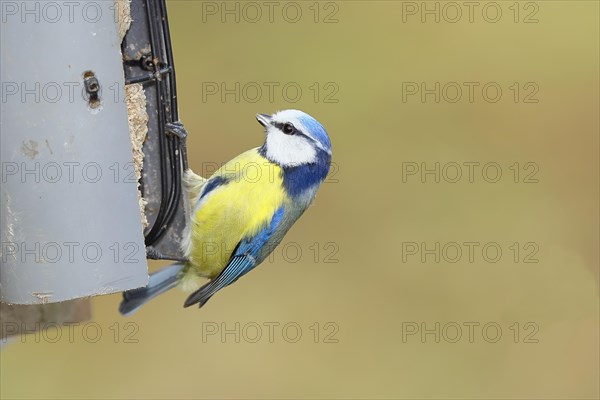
(243, 260)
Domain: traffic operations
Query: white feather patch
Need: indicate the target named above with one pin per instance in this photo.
(289, 150)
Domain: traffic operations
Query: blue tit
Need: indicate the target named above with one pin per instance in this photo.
(244, 210)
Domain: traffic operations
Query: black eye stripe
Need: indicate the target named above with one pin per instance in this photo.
(279, 125)
(286, 127)
(297, 132)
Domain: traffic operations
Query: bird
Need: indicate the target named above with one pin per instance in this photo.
(243, 211)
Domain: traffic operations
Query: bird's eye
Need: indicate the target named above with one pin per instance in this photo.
(288, 129)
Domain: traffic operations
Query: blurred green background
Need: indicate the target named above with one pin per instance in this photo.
(357, 298)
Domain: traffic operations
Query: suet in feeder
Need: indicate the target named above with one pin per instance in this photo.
(91, 184)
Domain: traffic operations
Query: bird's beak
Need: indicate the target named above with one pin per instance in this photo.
(264, 120)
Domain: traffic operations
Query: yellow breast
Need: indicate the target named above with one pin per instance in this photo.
(234, 211)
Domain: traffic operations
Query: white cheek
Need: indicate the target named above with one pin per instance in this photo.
(289, 150)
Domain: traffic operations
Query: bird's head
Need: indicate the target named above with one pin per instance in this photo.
(294, 138)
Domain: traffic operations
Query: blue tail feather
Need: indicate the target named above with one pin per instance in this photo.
(159, 282)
